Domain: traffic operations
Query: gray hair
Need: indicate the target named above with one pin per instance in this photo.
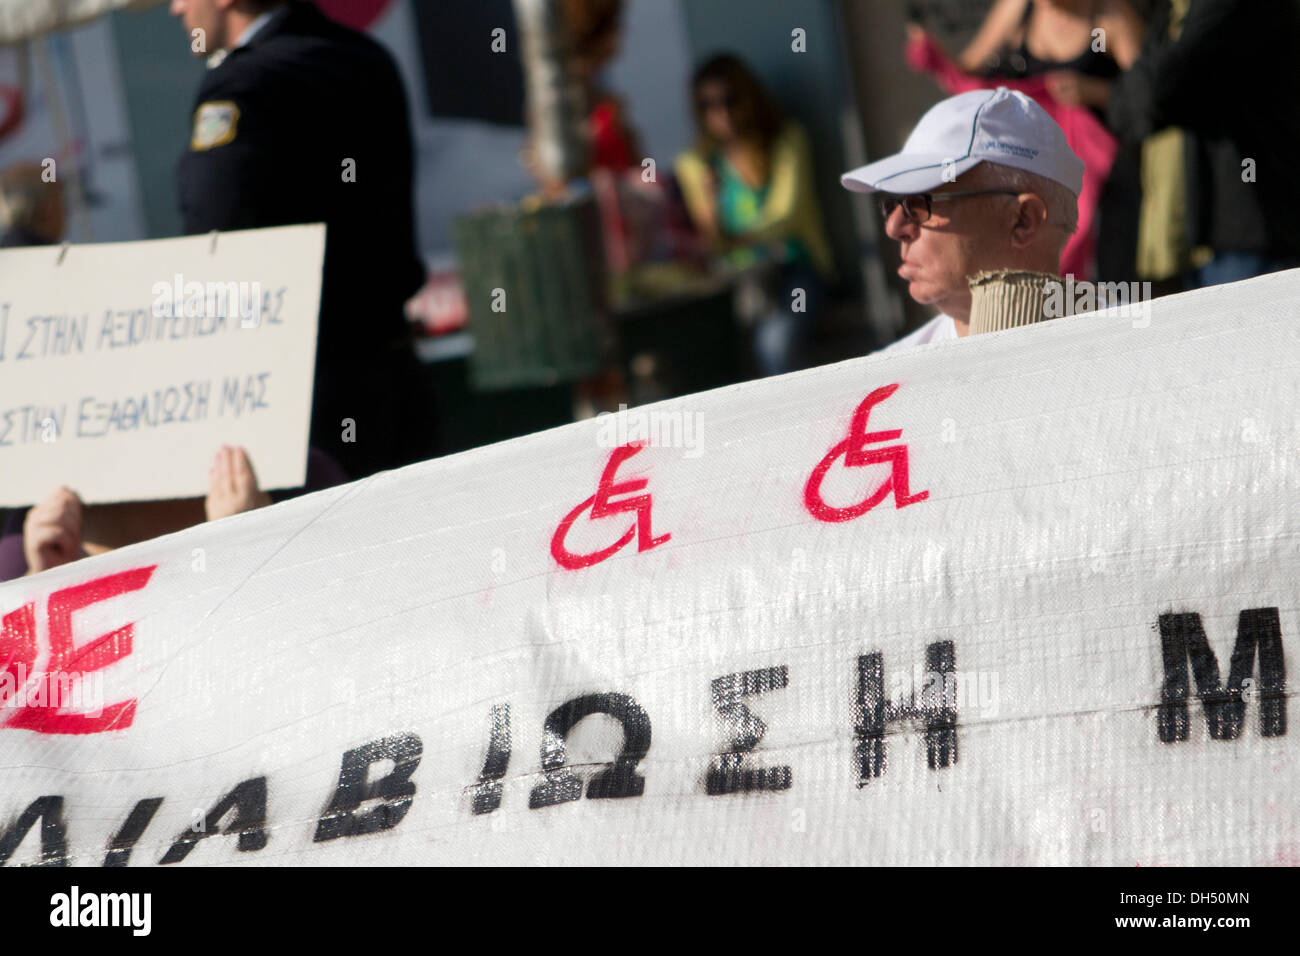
(1062, 205)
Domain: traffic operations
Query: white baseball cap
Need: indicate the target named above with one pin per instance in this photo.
(998, 126)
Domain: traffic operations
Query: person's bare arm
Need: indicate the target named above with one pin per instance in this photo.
(699, 192)
(994, 33)
(1124, 32)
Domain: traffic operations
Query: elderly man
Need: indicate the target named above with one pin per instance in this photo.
(986, 181)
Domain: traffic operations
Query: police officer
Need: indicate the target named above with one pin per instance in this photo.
(300, 119)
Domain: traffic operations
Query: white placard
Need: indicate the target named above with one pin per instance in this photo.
(125, 366)
(1066, 638)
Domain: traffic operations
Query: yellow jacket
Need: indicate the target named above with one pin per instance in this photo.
(791, 210)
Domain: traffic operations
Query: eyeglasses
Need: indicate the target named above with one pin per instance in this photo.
(916, 207)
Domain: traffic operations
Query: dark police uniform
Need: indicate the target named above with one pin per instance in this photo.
(274, 125)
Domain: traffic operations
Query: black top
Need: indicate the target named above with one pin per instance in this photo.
(1019, 63)
(1090, 62)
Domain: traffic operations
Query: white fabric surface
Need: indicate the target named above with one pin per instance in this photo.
(1085, 477)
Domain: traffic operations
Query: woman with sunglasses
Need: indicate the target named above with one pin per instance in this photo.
(748, 185)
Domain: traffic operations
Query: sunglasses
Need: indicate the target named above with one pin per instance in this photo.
(707, 103)
(916, 207)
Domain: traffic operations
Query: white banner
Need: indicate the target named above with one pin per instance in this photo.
(125, 366)
(1028, 598)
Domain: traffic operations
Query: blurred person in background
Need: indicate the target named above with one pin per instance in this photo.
(986, 181)
(1078, 46)
(31, 214)
(592, 40)
(748, 185)
(1224, 71)
(300, 119)
(1067, 54)
(1164, 254)
(604, 144)
(594, 27)
(31, 209)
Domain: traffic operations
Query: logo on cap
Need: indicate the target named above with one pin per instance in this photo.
(1024, 152)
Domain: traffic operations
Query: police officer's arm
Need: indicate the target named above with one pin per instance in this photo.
(228, 175)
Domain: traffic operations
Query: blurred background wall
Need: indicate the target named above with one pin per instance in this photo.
(129, 82)
(142, 115)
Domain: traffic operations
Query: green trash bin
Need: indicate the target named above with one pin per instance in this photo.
(535, 283)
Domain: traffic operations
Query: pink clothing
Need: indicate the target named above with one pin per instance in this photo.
(1086, 134)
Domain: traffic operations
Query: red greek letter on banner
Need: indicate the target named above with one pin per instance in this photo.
(67, 660)
(17, 649)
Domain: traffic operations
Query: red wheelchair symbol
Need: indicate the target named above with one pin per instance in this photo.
(602, 507)
(856, 454)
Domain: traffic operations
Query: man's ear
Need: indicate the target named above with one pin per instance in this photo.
(1030, 221)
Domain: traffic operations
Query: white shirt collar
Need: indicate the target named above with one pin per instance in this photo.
(941, 328)
(261, 20)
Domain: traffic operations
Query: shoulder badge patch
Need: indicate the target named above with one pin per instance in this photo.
(214, 124)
